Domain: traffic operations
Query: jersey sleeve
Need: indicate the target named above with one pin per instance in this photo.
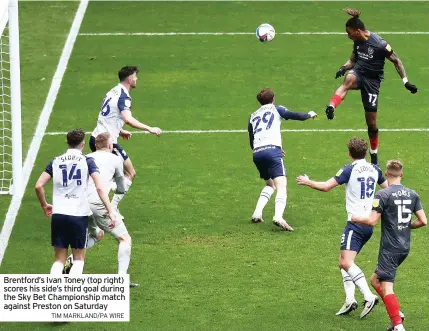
(124, 102)
(387, 49)
(290, 115)
(381, 178)
(49, 169)
(251, 137)
(343, 175)
(418, 205)
(92, 167)
(378, 202)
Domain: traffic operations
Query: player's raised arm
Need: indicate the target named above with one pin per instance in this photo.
(346, 66)
(290, 115)
(44, 178)
(392, 57)
(131, 121)
(320, 186)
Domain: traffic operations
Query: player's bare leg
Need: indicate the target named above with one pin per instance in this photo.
(60, 259)
(264, 197)
(129, 174)
(350, 82)
(124, 255)
(78, 261)
(346, 261)
(392, 305)
(280, 205)
(371, 122)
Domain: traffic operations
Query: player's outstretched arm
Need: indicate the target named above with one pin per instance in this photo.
(131, 121)
(320, 186)
(346, 66)
(370, 220)
(40, 192)
(420, 221)
(291, 115)
(401, 71)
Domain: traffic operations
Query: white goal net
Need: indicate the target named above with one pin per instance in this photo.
(10, 100)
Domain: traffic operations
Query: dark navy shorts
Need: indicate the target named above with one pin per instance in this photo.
(69, 231)
(269, 161)
(369, 90)
(387, 265)
(355, 236)
(117, 149)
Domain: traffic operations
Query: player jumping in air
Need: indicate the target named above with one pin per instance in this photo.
(364, 71)
(70, 173)
(114, 113)
(395, 205)
(360, 178)
(266, 143)
(110, 167)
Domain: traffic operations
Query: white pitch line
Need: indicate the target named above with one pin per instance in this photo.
(41, 126)
(236, 33)
(243, 131)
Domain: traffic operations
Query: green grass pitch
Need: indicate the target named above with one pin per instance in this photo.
(201, 264)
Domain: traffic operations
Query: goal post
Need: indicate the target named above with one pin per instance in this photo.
(11, 174)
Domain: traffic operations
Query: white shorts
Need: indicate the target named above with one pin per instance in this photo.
(99, 220)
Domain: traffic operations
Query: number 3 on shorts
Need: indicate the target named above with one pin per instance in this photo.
(372, 99)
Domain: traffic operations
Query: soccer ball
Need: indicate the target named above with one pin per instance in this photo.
(265, 33)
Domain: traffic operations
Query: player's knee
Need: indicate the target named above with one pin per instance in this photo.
(100, 235)
(344, 263)
(125, 238)
(374, 281)
(131, 173)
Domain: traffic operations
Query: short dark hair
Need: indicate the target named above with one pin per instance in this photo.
(354, 22)
(357, 148)
(102, 140)
(75, 138)
(127, 71)
(266, 96)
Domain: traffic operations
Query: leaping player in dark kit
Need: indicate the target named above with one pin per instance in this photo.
(364, 71)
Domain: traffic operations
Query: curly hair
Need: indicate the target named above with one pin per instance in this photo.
(357, 148)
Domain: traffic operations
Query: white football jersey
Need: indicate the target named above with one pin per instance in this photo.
(110, 117)
(266, 122)
(70, 173)
(111, 167)
(361, 178)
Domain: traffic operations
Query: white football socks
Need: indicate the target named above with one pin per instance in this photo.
(118, 197)
(57, 269)
(358, 278)
(124, 257)
(264, 197)
(77, 268)
(349, 286)
(280, 204)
